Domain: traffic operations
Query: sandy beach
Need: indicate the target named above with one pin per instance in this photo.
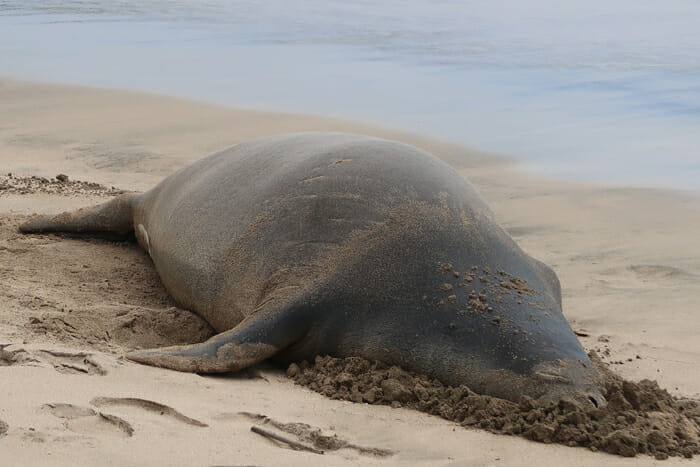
(628, 260)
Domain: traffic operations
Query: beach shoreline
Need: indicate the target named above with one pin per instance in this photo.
(627, 258)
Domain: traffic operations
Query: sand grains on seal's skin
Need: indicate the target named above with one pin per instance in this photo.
(640, 418)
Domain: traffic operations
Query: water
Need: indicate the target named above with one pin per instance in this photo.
(595, 90)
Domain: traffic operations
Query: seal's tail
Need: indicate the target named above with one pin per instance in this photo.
(114, 216)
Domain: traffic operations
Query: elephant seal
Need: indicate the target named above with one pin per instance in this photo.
(323, 243)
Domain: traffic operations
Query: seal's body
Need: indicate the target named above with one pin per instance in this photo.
(321, 243)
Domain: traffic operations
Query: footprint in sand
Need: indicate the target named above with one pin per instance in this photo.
(85, 420)
(62, 361)
(150, 406)
(30, 434)
(311, 435)
(3, 428)
(68, 362)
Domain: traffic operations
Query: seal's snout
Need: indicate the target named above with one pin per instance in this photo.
(569, 379)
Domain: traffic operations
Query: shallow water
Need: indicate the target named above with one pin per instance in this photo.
(595, 90)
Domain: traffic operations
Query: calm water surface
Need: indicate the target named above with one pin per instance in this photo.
(595, 90)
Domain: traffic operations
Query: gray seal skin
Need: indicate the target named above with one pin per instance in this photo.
(322, 243)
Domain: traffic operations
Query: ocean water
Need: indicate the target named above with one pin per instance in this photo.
(596, 90)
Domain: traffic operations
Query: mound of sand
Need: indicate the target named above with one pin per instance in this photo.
(640, 418)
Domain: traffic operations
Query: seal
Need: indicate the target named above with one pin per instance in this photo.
(324, 243)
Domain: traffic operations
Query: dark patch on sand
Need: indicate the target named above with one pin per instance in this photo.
(59, 185)
(641, 418)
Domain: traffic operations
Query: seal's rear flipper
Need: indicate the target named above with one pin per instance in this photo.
(113, 216)
(257, 338)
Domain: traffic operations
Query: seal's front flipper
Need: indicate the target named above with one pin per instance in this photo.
(255, 339)
(114, 216)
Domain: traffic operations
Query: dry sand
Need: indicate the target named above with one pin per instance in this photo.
(628, 260)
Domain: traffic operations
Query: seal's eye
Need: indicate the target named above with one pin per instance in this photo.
(593, 401)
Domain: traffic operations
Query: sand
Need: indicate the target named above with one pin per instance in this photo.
(628, 260)
(639, 418)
